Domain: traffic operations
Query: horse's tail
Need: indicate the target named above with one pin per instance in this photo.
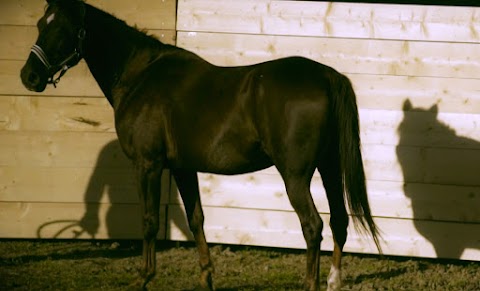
(343, 101)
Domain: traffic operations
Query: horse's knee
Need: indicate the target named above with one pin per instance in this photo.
(150, 226)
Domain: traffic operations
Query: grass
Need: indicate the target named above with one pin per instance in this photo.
(107, 265)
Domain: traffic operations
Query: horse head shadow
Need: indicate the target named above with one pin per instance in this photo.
(441, 173)
(112, 184)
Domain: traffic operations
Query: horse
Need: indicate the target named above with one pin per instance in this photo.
(174, 110)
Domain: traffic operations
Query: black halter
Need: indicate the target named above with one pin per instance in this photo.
(63, 66)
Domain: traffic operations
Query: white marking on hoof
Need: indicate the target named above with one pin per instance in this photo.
(334, 279)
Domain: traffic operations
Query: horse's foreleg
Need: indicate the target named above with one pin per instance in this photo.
(187, 183)
(149, 177)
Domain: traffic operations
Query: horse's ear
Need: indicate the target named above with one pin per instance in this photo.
(434, 109)
(407, 105)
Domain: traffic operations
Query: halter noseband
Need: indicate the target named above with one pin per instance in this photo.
(70, 61)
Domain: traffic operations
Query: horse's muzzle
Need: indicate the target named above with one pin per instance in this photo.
(32, 80)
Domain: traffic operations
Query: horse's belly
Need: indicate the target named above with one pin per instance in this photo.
(231, 160)
(222, 158)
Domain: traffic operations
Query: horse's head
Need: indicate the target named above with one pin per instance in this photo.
(59, 46)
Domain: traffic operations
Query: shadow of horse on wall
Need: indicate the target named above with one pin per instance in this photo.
(112, 182)
(441, 173)
(114, 175)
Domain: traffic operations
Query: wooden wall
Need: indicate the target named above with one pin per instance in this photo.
(60, 162)
(415, 70)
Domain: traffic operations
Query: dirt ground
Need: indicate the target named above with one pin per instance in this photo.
(108, 265)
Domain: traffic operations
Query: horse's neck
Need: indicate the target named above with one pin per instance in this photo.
(115, 53)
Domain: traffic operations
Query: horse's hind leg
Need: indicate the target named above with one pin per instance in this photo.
(187, 183)
(332, 181)
(149, 176)
(298, 190)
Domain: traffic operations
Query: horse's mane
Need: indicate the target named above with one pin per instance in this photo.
(138, 32)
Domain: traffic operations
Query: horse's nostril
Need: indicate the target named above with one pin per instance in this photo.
(33, 78)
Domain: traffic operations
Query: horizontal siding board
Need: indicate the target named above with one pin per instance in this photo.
(21, 12)
(106, 183)
(68, 185)
(266, 191)
(56, 149)
(60, 220)
(354, 56)
(144, 13)
(282, 229)
(420, 127)
(16, 41)
(390, 92)
(44, 113)
(327, 19)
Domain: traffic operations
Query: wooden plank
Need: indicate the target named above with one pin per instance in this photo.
(21, 12)
(55, 149)
(354, 56)
(282, 229)
(103, 184)
(391, 92)
(60, 220)
(106, 183)
(149, 14)
(327, 19)
(420, 127)
(25, 113)
(17, 41)
(265, 191)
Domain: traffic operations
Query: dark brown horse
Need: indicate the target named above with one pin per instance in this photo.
(175, 110)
